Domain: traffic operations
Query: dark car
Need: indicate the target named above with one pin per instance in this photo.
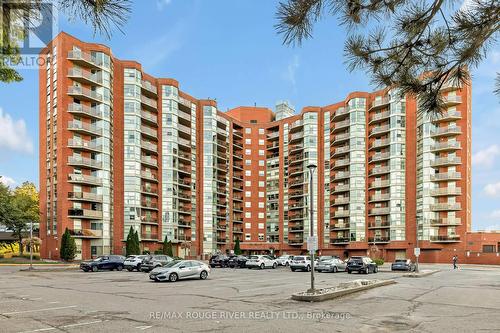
(103, 263)
(237, 261)
(361, 265)
(403, 265)
(156, 260)
(220, 260)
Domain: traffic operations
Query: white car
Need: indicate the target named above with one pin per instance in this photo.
(302, 263)
(284, 260)
(134, 262)
(261, 262)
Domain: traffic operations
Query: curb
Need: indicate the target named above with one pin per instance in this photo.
(419, 275)
(339, 293)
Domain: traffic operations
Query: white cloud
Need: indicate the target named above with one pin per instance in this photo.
(492, 189)
(485, 158)
(14, 135)
(161, 4)
(495, 214)
(7, 181)
(291, 71)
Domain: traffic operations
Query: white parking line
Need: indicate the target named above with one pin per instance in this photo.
(40, 330)
(38, 310)
(65, 326)
(142, 328)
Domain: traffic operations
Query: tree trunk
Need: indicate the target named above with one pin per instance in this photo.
(20, 243)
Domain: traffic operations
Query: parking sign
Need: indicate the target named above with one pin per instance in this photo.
(417, 251)
(312, 243)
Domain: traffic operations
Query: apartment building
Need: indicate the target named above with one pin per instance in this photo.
(121, 150)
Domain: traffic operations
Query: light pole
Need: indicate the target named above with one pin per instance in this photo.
(31, 245)
(416, 244)
(311, 168)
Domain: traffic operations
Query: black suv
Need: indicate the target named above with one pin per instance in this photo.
(361, 265)
(103, 263)
(220, 260)
(237, 261)
(153, 261)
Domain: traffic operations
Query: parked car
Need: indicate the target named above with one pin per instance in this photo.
(302, 263)
(322, 258)
(220, 260)
(333, 265)
(103, 263)
(361, 265)
(237, 261)
(180, 269)
(403, 265)
(261, 261)
(154, 261)
(284, 260)
(134, 262)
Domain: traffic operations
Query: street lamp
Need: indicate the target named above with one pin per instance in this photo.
(31, 245)
(311, 242)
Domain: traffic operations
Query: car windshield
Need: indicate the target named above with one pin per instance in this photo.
(325, 258)
(401, 260)
(173, 263)
(254, 257)
(283, 257)
(299, 258)
(131, 257)
(99, 259)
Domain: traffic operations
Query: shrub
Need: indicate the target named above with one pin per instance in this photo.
(1, 255)
(68, 247)
(178, 258)
(379, 262)
(146, 252)
(160, 251)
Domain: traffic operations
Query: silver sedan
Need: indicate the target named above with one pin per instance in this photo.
(333, 265)
(180, 269)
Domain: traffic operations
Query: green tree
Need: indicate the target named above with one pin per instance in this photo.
(129, 246)
(165, 245)
(102, 15)
(169, 250)
(416, 46)
(237, 249)
(136, 244)
(67, 250)
(18, 208)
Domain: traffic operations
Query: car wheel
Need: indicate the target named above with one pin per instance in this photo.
(203, 275)
(173, 277)
(262, 266)
(287, 264)
(335, 269)
(130, 269)
(293, 269)
(213, 266)
(366, 270)
(275, 265)
(95, 268)
(375, 270)
(138, 267)
(119, 268)
(349, 271)
(85, 270)
(308, 268)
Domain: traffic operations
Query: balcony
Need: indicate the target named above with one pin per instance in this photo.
(452, 100)
(340, 226)
(295, 241)
(380, 143)
(380, 211)
(446, 176)
(84, 110)
(84, 128)
(296, 125)
(148, 116)
(85, 196)
(83, 59)
(149, 176)
(341, 188)
(149, 220)
(85, 214)
(340, 138)
(84, 179)
(380, 116)
(443, 146)
(184, 142)
(340, 201)
(379, 225)
(85, 94)
(449, 115)
(296, 136)
(445, 222)
(341, 175)
(149, 190)
(341, 150)
(380, 184)
(149, 161)
(380, 103)
(295, 229)
(445, 239)
(85, 233)
(445, 206)
(296, 217)
(379, 239)
(379, 171)
(380, 197)
(379, 157)
(446, 131)
(149, 103)
(146, 236)
(340, 163)
(184, 129)
(84, 77)
(148, 87)
(380, 130)
(340, 125)
(149, 131)
(341, 213)
(339, 241)
(149, 146)
(445, 161)
(84, 162)
(443, 191)
(221, 240)
(84, 145)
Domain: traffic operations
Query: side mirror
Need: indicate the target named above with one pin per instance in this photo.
(181, 267)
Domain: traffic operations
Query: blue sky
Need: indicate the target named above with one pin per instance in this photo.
(229, 50)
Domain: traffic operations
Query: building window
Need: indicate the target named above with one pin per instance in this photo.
(261, 162)
(261, 216)
(248, 204)
(248, 215)
(248, 141)
(248, 130)
(248, 225)
(248, 162)
(261, 152)
(248, 151)
(261, 194)
(489, 249)
(261, 205)
(247, 237)
(261, 237)
(261, 225)
(248, 172)
(248, 183)
(262, 172)
(248, 194)
(262, 131)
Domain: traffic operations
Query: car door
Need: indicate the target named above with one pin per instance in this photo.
(104, 263)
(341, 265)
(267, 261)
(185, 269)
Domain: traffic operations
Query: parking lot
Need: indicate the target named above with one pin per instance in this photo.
(246, 301)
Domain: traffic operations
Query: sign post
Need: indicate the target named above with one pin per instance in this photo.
(417, 254)
(312, 241)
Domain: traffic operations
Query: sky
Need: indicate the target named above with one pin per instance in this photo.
(229, 50)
